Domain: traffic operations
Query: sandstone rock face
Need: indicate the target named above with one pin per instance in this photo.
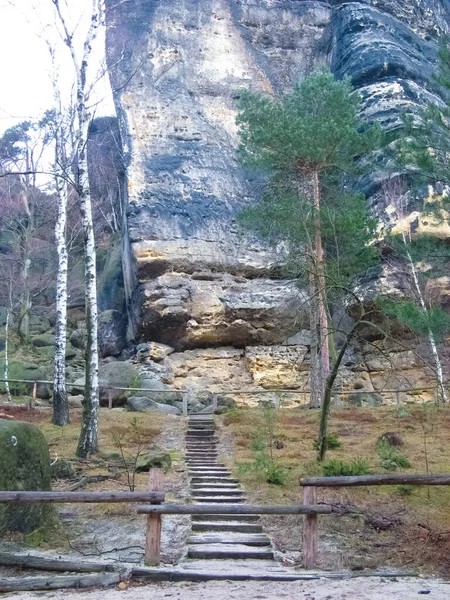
(193, 280)
(111, 332)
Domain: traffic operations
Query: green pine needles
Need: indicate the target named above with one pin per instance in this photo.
(316, 131)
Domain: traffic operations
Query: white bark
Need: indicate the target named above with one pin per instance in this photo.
(60, 402)
(434, 351)
(88, 442)
(6, 371)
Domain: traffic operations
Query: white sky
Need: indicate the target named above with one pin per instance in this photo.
(25, 66)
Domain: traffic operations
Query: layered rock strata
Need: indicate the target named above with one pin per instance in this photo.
(193, 279)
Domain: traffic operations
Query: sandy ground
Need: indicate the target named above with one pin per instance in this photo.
(325, 589)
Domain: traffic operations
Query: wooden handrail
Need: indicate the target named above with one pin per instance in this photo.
(234, 509)
(364, 480)
(78, 497)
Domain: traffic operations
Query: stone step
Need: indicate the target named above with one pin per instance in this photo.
(238, 551)
(201, 454)
(201, 446)
(255, 539)
(213, 499)
(198, 471)
(207, 470)
(226, 526)
(200, 480)
(208, 491)
(227, 518)
(201, 432)
(215, 486)
(193, 464)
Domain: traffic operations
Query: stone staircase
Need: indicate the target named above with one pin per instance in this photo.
(233, 537)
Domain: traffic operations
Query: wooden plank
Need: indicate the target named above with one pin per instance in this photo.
(153, 535)
(310, 530)
(53, 564)
(62, 497)
(233, 509)
(376, 480)
(53, 582)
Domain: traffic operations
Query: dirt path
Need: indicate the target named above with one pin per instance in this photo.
(351, 589)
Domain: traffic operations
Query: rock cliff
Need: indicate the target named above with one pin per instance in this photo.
(193, 280)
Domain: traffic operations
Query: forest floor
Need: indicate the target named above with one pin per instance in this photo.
(399, 527)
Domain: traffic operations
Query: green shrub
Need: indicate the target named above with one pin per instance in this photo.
(340, 468)
(16, 370)
(276, 474)
(405, 490)
(391, 458)
(331, 442)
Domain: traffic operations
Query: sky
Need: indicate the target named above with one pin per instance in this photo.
(26, 89)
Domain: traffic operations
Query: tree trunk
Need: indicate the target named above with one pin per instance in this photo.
(437, 361)
(6, 370)
(88, 442)
(60, 402)
(324, 350)
(325, 412)
(317, 383)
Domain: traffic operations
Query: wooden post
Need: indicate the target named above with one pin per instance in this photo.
(33, 402)
(153, 538)
(110, 399)
(310, 530)
(185, 404)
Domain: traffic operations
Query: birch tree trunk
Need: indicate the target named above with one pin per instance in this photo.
(6, 370)
(88, 442)
(60, 402)
(431, 339)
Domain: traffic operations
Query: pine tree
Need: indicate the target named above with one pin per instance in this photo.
(307, 143)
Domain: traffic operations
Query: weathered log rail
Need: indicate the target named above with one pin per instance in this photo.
(310, 485)
(151, 503)
(81, 497)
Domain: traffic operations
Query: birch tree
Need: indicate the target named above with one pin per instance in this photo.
(428, 319)
(88, 442)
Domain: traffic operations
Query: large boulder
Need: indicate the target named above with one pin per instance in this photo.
(143, 404)
(43, 340)
(111, 332)
(159, 391)
(25, 465)
(112, 375)
(160, 459)
(39, 325)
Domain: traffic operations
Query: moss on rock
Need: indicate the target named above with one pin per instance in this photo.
(25, 465)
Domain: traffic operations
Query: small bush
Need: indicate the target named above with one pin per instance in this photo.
(233, 415)
(390, 438)
(340, 468)
(276, 474)
(405, 490)
(331, 442)
(391, 458)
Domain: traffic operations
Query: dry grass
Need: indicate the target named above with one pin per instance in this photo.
(420, 535)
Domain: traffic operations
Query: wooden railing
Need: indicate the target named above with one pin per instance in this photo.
(151, 503)
(310, 485)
